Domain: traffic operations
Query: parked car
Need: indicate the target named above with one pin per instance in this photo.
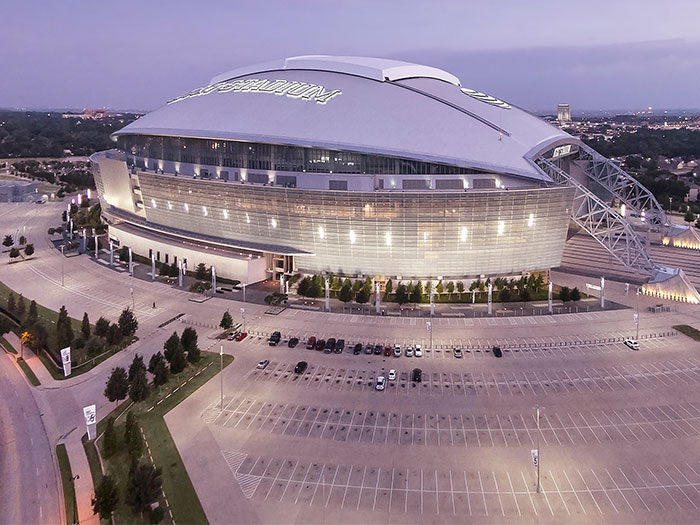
(263, 364)
(232, 336)
(369, 349)
(392, 375)
(357, 349)
(301, 367)
(293, 342)
(497, 351)
(311, 343)
(330, 344)
(380, 383)
(320, 344)
(418, 351)
(241, 336)
(274, 339)
(397, 350)
(378, 349)
(339, 346)
(417, 375)
(387, 351)
(632, 343)
(409, 351)
(458, 353)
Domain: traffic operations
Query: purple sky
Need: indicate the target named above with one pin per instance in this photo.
(593, 54)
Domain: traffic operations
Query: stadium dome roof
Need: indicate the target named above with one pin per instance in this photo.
(368, 105)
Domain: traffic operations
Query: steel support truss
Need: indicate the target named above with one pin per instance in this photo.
(623, 186)
(610, 229)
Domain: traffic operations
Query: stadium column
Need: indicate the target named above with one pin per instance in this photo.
(179, 274)
(83, 241)
(328, 297)
(282, 284)
(131, 263)
(490, 297)
(153, 267)
(602, 292)
(111, 254)
(549, 297)
(432, 299)
(213, 280)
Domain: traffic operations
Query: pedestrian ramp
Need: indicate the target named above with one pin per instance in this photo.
(247, 482)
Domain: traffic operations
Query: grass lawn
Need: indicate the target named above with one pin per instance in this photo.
(691, 332)
(57, 373)
(182, 498)
(33, 379)
(67, 482)
(7, 346)
(46, 314)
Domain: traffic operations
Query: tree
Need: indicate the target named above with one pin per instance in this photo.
(158, 356)
(689, 216)
(138, 383)
(164, 270)
(85, 326)
(64, 329)
(505, 294)
(439, 288)
(178, 361)
(102, 327)
(114, 334)
(33, 315)
(128, 323)
(315, 287)
(5, 325)
(346, 293)
(524, 294)
(565, 294)
(450, 287)
(189, 344)
(52, 231)
(22, 240)
(106, 498)
(160, 371)
(8, 241)
(11, 304)
(362, 296)
(201, 271)
(226, 321)
(388, 287)
(110, 441)
(117, 386)
(697, 223)
(21, 306)
(170, 346)
(14, 253)
(29, 250)
(417, 294)
(124, 254)
(357, 285)
(303, 287)
(460, 286)
(143, 488)
(401, 294)
(174, 270)
(132, 437)
(575, 295)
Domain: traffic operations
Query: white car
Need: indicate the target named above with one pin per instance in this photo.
(380, 383)
(418, 351)
(632, 343)
(397, 350)
(409, 351)
(263, 364)
(392, 375)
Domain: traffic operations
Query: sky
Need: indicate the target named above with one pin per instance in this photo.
(592, 54)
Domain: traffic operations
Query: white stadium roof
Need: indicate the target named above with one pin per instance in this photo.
(369, 105)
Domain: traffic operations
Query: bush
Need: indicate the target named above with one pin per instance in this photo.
(200, 287)
(128, 323)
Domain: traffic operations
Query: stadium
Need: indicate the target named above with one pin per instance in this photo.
(361, 167)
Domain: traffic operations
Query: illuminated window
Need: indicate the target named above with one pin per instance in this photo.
(153, 203)
(320, 232)
(273, 223)
(463, 234)
(187, 208)
(501, 227)
(531, 220)
(247, 218)
(352, 237)
(204, 211)
(387, 238)
(225, 214)
(170, 206)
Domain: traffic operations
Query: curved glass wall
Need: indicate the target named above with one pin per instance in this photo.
(255, 155)
(411, 234)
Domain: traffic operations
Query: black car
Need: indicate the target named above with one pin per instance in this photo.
(293, 342)
(274, 339)
(417, 375)
(339, 346)
(378, 349)
(357, 349)
(330, 344)
(301, 367)
(320, 344)
(497, 351)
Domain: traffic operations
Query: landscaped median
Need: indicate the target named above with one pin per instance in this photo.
(68, 484)
(156, 448)
(691, 332)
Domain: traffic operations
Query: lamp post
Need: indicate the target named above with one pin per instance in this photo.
(133, 302)
(62, 272)
(243, 315)
(221, 373)
(636, 315)
(537, 411)
(429, 327)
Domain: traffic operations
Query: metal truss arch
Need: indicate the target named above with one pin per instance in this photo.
(610, 229)
(622, 185)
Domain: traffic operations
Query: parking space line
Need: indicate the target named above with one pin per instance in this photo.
(556, 486)
(619, 490)
(483, 493)
(575, 492)
(590, 493)
(679, 487)
(498, 493)
(604, 491)
(661, 485)
(512, 491)
(466, 488)
(529, 493)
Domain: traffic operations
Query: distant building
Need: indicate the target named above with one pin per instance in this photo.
(563, 113)
(16, 190)
(90, 114)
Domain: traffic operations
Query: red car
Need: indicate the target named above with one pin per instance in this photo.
(311, 343)
(387, 351)
(241, 336)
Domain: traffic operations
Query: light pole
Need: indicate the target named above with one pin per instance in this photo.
(429, 327)
(221, 373)
(133, 303)
(537, 409)
(636, 315)
(243, 315)
(62, 261)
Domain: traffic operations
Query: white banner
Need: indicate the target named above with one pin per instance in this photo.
(65, 359)
(90, 414)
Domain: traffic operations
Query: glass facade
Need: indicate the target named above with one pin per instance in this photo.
(253, 155)
(408, 233)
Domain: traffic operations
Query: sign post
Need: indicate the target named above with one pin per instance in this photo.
(90, 414)
(65, 359)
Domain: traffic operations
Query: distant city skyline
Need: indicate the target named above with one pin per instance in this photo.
(594, 55)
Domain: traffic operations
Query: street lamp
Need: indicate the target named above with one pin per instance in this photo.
(429, 327)
(133, 302)
(537, 410)
(62, 262)
(221, 373)
(636, 316)
(243, 315)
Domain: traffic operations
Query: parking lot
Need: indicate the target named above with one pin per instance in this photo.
(637, 490)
